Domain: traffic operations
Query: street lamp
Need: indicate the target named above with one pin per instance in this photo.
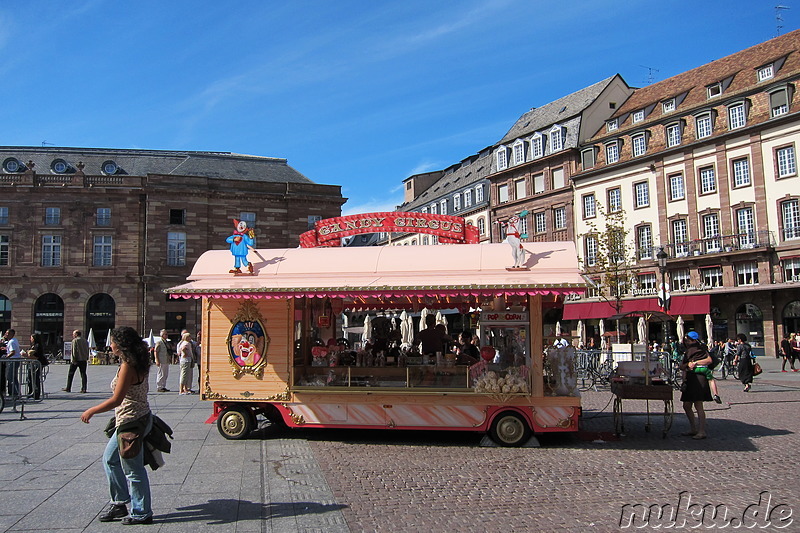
(662, 257)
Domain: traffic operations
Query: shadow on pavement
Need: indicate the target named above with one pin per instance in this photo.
(229, 511)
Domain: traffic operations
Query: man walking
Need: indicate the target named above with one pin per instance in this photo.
(162, 359)
(79, 359)
(12, 352)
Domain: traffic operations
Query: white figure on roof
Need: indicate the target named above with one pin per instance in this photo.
(513, 239)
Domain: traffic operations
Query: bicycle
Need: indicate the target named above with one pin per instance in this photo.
(729, 369)
(592, 372)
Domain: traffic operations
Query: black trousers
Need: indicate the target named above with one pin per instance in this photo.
(77, 365)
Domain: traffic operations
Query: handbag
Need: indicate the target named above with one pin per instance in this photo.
(130, 444)
(757, 369)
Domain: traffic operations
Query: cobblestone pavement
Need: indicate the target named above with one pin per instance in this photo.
(336, 481)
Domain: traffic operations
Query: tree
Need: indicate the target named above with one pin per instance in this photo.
(609, 258)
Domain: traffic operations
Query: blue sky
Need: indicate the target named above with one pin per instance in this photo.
(360, 94)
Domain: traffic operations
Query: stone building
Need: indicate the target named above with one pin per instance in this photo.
(90, 237)
(703, 164)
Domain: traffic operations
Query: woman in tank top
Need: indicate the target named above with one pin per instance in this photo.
(127, 478)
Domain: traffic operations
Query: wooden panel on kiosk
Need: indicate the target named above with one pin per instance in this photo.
(537, 348)
(224, 379)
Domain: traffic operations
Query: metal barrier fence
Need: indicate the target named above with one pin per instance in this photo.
(22, 382)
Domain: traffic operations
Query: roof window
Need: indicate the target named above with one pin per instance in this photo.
(59, 166)
(109, 168)
(13, 165)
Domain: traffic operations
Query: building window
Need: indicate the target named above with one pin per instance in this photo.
(612, 152)
(791, 270)
(539, 222)
(747, 274)
(644, 242)
(177, 217)
(502, 158)
(741, 172)
(714, 90)
(589, 208)
(673, 135)
(425, 240)
(538, 183)
(708, 183)
(703, 126)
(711, 232)
(612, 125)
(3, 216)
(250, 218)
(558, 178)
(519, 189)
(443, 207)
(592, 291)
(681, 280)
(680, 236)
(639, 143)
(424, 210)
(479, 194)
(481, 226)
(588, 158)
(102, 251)
(779, 102)
(642, 194)
(434, 209)
(518, 153)
(468, 198)
(712, 277)
(537, 146)
(766, 72)
(745, 225)
(668, 106)
(52, 216)
(312, 220)
(176, 248)
(677, 190)
(4, 248)
(560, 218)
(456, 202)
(790, 215)
(614, 200)
(590, 244)
(51, 250)
(556, 139)
(502, 194)
(786, 162)
(103, 216)
(637, 117)
(646, 283)
(737, 117)
(523, 227)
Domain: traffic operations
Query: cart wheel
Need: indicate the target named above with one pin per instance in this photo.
(668, 413)
(619, 427)
(2, 402)
(510, 429)
(235, 422)
(647, 428)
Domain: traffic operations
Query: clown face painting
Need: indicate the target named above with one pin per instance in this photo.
(248, 342)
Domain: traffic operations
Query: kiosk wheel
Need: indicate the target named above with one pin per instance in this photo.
(235, 422)
(510, 429)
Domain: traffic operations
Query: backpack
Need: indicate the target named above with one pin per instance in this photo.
(715, 358)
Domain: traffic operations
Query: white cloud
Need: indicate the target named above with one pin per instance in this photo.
(372, 205)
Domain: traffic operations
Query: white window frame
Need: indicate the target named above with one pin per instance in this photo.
(434, 208)
(639, 144)
(540, 222)
(523, 227)
(539, 183)
(711, 242)
(102, 251)
(520, 189)
(737, 116)
(612, 152)
(481, 226)
(747, 274)
(518, 152)
(641, 192)
(790, 216)
(703, 126)
(176, 248)
(668, 106)
(560, 218)
(456, 202)
(787, 163)
(590, 250)
(712, 277)
(478, 194)
(674, 134)
(637, 116)
(5, 244)
(677, 187)
(767, 72)
(708, 180)
(537, 146)
(51, 250)
(680, 237)
(443, 207)
(714, 90)
(644, 241)
(791, 269)
(589, 206)
(741, 172)
(467, 198)
(779, 108)
(746, 227)
(556, 137)
(612, 125)
(680, 279)
(502, 194)
(501, 156)
(614, 200)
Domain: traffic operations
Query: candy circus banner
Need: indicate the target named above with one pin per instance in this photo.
(449, 229)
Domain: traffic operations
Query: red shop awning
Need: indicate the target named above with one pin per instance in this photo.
(698, 304)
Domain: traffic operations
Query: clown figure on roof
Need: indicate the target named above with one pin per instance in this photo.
(242, 239)
(513, 238)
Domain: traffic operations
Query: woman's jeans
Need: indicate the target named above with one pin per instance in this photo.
(120, 472)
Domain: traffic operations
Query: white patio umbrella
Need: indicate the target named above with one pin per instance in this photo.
(709, 329)
(367, 333)
(581, 333)
(679, 324)
(90, 340)
(406, 328)
(108, 340)
(602, 327)
(422, 315)
(345, 320)
(642, 330)
(558, 328)
(440, 319)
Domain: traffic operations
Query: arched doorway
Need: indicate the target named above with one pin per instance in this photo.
(48, 320)
(5, 313)
(791, 317)
(100, 315)
(750, 321)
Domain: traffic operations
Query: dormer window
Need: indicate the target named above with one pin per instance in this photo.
(714, 90)
(502, 158)
(668, 106)
(612, 125)
(556, 139)
(110, 168)
(612, 152)
(766, 72)
(639, 144)
(456, 202)
(13, 165)
(779, 101)
(537, 146)
(59, 166)
(737, 115)
(703, 125)
(638, 116)
(518, 152)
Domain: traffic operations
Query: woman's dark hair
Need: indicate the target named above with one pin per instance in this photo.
(742, 337)
(37, 338)
(133, 349)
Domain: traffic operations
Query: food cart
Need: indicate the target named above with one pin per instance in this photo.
(269, 339)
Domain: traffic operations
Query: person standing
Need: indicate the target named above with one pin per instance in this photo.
(13, 351)
(744, 361)
(786, 351)
(78, 360)
(127, 477)
(35, 374)
(186, 354)
(697, 389)
(162, 360)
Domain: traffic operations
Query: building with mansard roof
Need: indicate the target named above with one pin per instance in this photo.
(90, 237)
(703, 166)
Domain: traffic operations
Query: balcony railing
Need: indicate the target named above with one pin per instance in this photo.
(719, 244)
